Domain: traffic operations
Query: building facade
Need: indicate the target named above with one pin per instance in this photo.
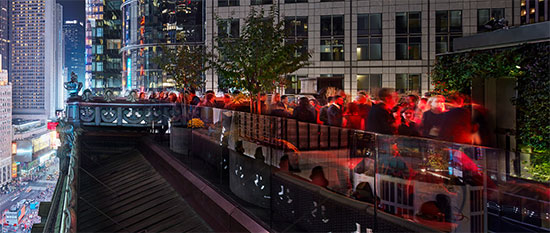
(4, 32)
(32, 58)
(355, 44)
(149, 25)
(5, 127)
(103, 43)
(365, 45)
(59, 78)
(74, 49)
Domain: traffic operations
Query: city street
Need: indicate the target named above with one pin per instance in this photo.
(27, 193)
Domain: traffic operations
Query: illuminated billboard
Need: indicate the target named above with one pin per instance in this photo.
(41, 142)
(14, 170)
(24, 151)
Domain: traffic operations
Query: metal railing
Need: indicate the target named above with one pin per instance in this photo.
(405, 175)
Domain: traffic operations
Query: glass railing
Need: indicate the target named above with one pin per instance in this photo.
(297, 176)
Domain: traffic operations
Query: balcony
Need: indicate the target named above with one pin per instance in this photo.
(133, 166)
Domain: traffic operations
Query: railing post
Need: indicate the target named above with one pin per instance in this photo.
(119, 116)
(97, 116)
(73, 113)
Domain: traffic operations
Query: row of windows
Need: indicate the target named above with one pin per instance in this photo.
(408, 31)
(404, 83)
(260, 2)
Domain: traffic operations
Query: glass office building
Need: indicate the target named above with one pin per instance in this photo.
(149, 25)
(103, 59)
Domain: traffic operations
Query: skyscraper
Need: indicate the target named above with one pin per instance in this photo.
(4, 33)
(74, 49)
(5, 126)
(103, 33)
(149, 24)
(32, 59)
(60, 75)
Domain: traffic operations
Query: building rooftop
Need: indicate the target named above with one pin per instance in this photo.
(121, 191)
(504, 37)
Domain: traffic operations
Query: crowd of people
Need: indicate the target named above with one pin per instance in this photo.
(453, 118)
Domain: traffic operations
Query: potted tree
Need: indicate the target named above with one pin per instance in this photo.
(257, 60)
(184, 64)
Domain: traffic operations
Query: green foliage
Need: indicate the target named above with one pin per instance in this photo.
(184, 63)
(258, 59)
(529, 63)
(454, 72)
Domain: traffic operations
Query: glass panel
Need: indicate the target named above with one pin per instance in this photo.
(483, 16)
(362, 49)
(338, 50)
(375, 81)
(414, 22)
(338, 25)
(234, 30)
(362, 24)
(401, 50)
(441, 21)
(401, 83)
(401, 23)
(441, 44)
(497, 13)
(363, 82)
(414, 48)
(326, 52)
(375, 52)
(289, 26)
(375, 24)
(414, 83)
(456, 21)
(326, 25)
(301, 26)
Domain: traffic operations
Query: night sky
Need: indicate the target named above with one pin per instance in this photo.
(73, 9)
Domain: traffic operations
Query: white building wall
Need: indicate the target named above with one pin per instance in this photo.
(5, 128)
(388, 67)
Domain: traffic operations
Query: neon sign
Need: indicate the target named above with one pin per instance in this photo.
(129, 74)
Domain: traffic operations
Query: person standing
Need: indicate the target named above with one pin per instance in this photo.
(432, 120)
(323, 112)
(335, 112)
(408, 125)
(380, 119)
(304, 112)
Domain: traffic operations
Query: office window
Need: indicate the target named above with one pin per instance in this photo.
(332, 0)
(407, 83)
(295, 1)
(485, 15)
(332, 38)
(369, 82)
(296, 28)
(294, 85)
(228, 2)
(229, 28)
(408, 36)
(99, 49)
(448, 27)
(369, 37)
(330, 80)
(260, 2)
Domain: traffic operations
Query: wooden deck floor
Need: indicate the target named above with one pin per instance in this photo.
(121, 192)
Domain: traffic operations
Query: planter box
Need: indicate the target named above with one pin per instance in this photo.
(180, 139)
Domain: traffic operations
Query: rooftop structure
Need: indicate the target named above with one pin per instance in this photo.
(33, 66)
